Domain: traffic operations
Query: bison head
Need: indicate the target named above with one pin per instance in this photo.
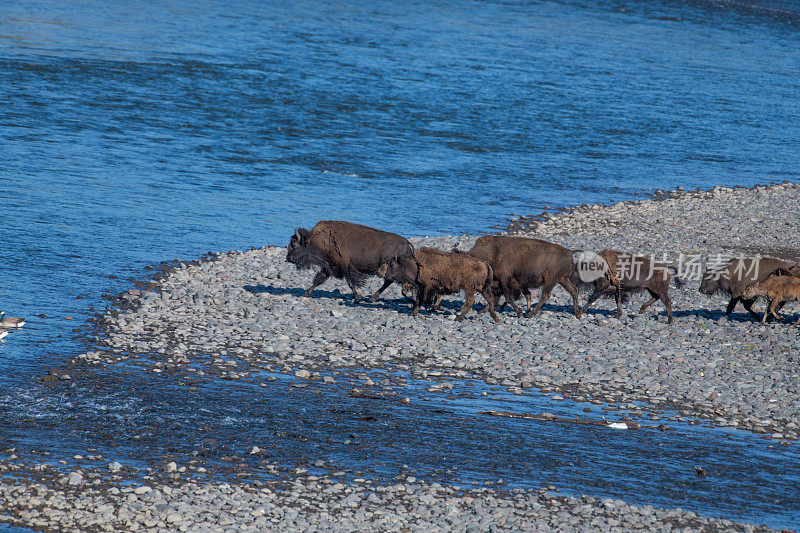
(751, 291)
(710, 283)
(402, 270)
(388, 269)
(297, 251)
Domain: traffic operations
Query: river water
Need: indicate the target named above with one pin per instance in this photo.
(136, 132)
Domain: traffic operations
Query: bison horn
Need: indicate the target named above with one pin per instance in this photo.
(297, 233)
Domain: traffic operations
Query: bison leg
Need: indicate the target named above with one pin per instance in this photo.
(418, 301)
(668, 304)
(409, 292)
(377, 293)
(547, 289)
(527, 294)
(468, 303)
(495, 302)
(573, 290)
(766, 312)
(778, 310)
(732, 306)
(774, 308)
(489, 297)
(319, 279)
(592, 299)
(748, 304)
(653, 299)
(508, 294)
(432, 300)
(618, 299)
(352, 285)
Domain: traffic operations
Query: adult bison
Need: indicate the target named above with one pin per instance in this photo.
(346, 251)
(520, 263)
(732, 278)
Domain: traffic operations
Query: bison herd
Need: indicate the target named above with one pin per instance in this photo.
(509, 267)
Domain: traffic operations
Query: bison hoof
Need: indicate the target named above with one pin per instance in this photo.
(307, 294)
(459, 319)
(373, 298)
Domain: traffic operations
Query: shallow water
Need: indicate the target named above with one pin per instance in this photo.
(136, 133)
(134, 417)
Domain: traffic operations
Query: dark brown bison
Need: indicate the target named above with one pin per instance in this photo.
(345, 250)
(732, 278)
(520, 263)
(435, 272)
(633, 274)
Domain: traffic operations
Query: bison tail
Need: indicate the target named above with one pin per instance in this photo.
(489, 277)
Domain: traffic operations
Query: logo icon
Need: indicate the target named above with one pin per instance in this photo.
(590, 265)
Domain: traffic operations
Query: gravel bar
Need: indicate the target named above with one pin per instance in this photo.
(96, 500)
(245, 307)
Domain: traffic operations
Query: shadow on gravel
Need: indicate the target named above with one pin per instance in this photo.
(346, 299)
(404, 307)
(275, 291)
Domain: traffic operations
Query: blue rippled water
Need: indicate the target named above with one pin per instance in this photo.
(136, 132)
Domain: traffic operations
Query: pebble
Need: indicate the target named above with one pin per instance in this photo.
(323, 504)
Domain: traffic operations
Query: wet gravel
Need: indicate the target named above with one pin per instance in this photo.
(95, 499)
(237, 314)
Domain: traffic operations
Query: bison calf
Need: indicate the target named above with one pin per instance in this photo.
(733, 277)
(345, 250)
(777, 290)
(435, 272)
(633, 274)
